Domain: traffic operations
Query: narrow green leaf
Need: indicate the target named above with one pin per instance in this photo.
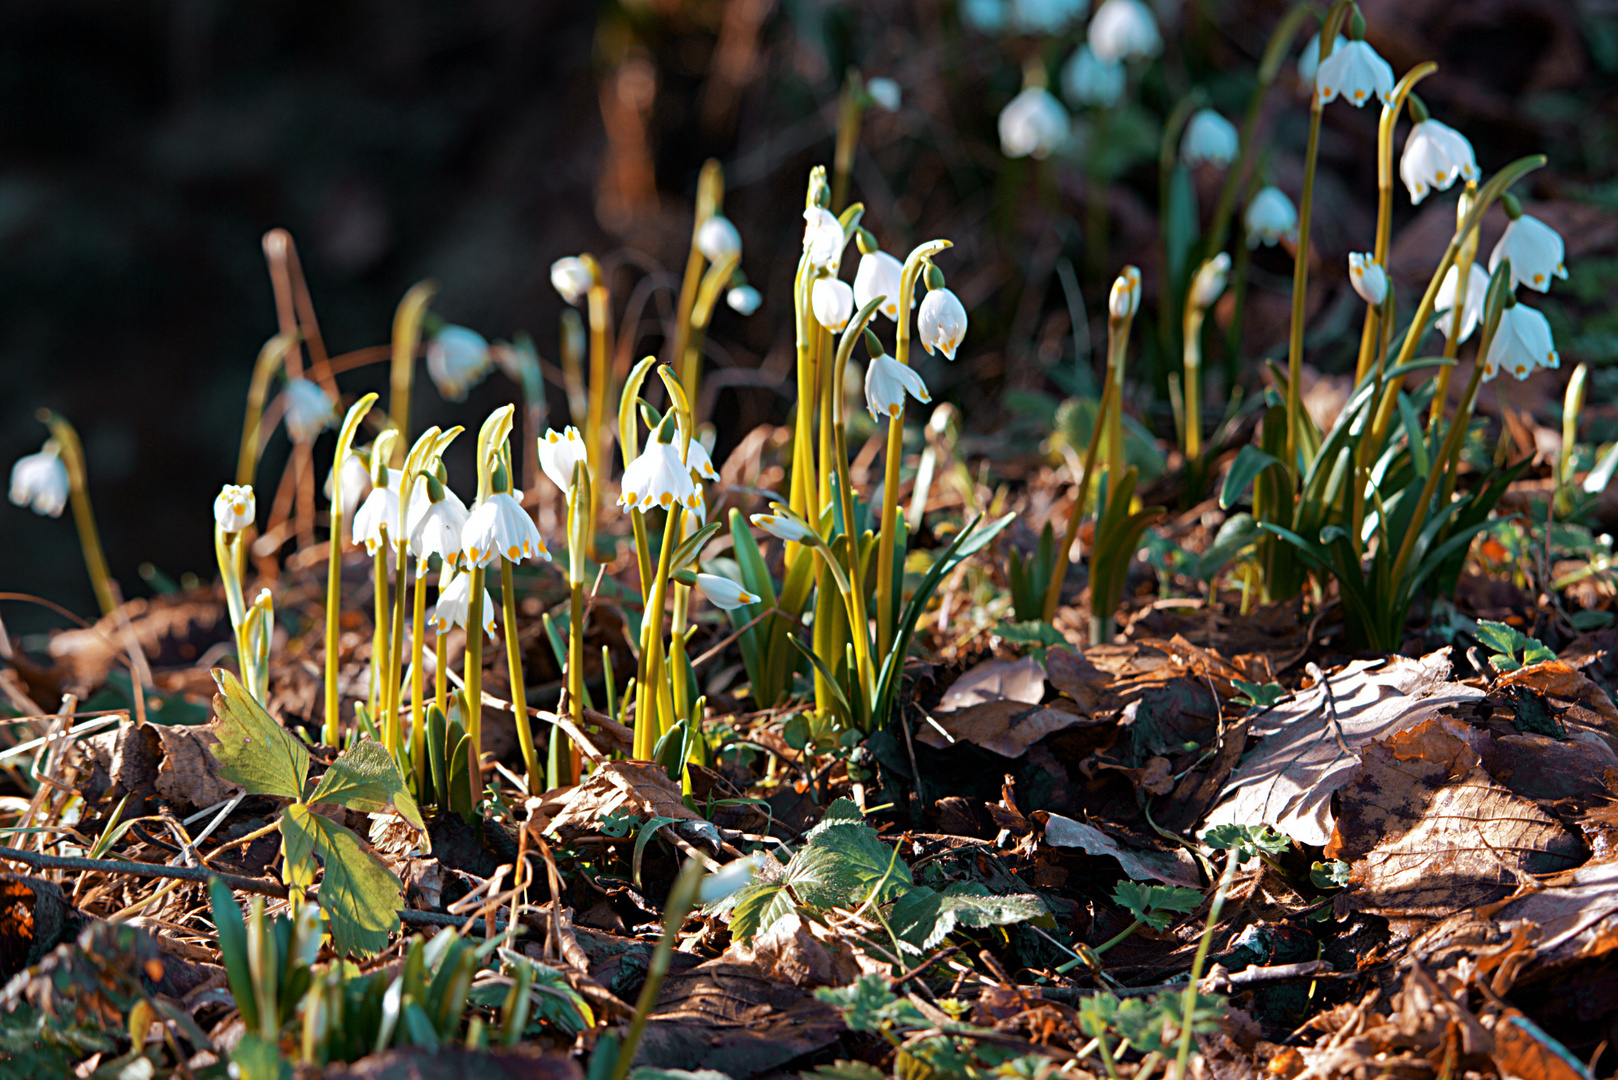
(1250, 462)
(231, 929)
(359, 894)
(254, 751)
(366, 779)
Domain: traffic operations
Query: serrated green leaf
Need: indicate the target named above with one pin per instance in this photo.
(366, 779)
(758, 906)
(1149, 903)
(359, 894)
(254, 751)
(924, 917)
(843, 861)
(1329, 875)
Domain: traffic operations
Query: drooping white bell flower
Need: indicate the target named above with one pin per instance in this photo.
(823, 238)
(1477, 287)
(379, 511)
(729, 878)
(308, 410)
(1367, 277)
(886, 383)
(885, 92)
(1210, 281)
(1355, 71)
(1535, 250)
(782, 527)
(1270, 217)
(1046, 16)
(1124, 299)
(1436, 155)
(1089, 80)
(698, 461)
(559, 452)
(453, 601)
(723, 593)
(717, 238)
(457, 360)
(234, 508)
(1125, 30)
(941, 322)
(1209, 137)
(1033, 124)
(743, 299)
(658, 478)
(1521, 343)
(833, 303)
(571, 277)
(355, 479)
(436, 527)
(40, 481)
(1309, 59)
(878, 275)
(499, 527)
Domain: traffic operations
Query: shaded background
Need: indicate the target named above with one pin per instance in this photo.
(147, 146)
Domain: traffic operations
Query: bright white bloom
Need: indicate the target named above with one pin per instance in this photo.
(1477, 287)
(499, 527)
(1367, 277)
(729, 878)
(457, 360)
(1209, 137)
(878, 275)
(234, 508)
(941, 322)
(355, 479)
(885, 92)
(1521, 343)
(453, 600)
(308, 410)
(436, 527)
(1033, 124)
(698, 461)
(723, 593)
(572, 278)
(559, 452)
(1355, 71)
(743, 299)
(1309, 60)
(833, 303)
(40, 480)
(1270, 217)
(1535, 250)
(717, 238)
(1089, 80)
(823, 238)
(886, 383)
(658, 478)
(1124, 300)
(1046, 16)
(1436, 155)
(379, 511)
(1209, 283)
(1125, 30)
(782, 527)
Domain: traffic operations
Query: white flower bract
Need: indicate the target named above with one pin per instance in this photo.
(1521, 343)
(1477, 287)
(1089, 80)
(499, 527)
(723, 593)
(1033, 124)
(436, 527)
(1367, 277)
(308, 410)
(823, 238)
(941, 322)
(1535, 250)
(1309, 59)
(559, 452)
(1355, 71)
(886, 383)
(717, 238)
(1210, 138)
(571, 278)
(743, 299)
(878, 275)
(234, 508)
(457, 360)
(833, 303)
(355, 480)
(1124, 299)
(1436, 155)
(1270, 217)
(40, 481)
(658, 478)
(379, 511)
(698, 461)
(453, 601)
(1209, 284)
(782, 527)
(1125, 30)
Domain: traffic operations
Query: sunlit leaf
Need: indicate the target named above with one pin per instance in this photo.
(366, 778)
(359, 894)
(255, 751)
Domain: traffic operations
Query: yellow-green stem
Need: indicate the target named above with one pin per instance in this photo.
(393, 731)
(1053, 588)
(1300, 288)
(380, 636)
(519, 693)
(472, 681)
(1193, 383)
(1190, 1000)
(441, 672)
(418, 676)
(598, 435)
(72, 456)
(270, 357)
(648, 725)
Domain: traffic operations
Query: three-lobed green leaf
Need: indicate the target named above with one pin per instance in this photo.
(359, 894)
(366, 779)
(254, 751)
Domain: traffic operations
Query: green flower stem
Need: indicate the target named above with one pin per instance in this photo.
(597, 435)
(1452, 340)
(441, 672)
(562, 755)
(519, 692)
(393, 731)
(701, 313)
(228, 552)
(801, 494)
(710, 194)
(472, 682)
(648, 724)
(1214, 909)
(682, 898)
(828, 392)
(380, 635)
(1053, 588)
(418, 678)
(1193, 381)
(1167, 155)
(859, 621)
(850, 115)
(72, 456)
(406, 337)
(270, 357)
(334, 565)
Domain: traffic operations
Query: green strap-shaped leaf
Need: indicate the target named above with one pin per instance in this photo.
(1250, 461)
(359, 894)
(254, 751)
(366, 779)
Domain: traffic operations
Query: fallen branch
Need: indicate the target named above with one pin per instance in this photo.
(262, 886)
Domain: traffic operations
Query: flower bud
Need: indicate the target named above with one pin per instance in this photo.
(1209, 283)
(572, 278)
(1124, 300)
(1367, 277)
(234, 508)
(718, 239)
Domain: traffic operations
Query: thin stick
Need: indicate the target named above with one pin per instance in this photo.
(38, 861)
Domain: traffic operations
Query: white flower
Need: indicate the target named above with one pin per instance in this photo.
(885, 92)
(1355, 71)
(743, 299)
(1209, 283)
(782, 527)
(833, 303)
(723, 593)
(886, 383)
(658, 478)
(823, 238)
(355, 479)
(40, 480)
(1477, 287)
(1309, 60)
(1209, 137)
(453, 600)
(379, 510)
(698, 461)
(1046, 16)
(729, 878)
(308, 410)
(1125, 30)
(436, 527)
(1124, 300)
(1535, 250)
(1436, 155)
(941, 322)
(1521, 343)
(717, 238)
(457, 360)
(1367, 277)
(559, 452)
(1270, 217)
(1089, 80)
(234, 508)
(1033, 123)
(572, 278)
(499, 527)
(878, 275)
